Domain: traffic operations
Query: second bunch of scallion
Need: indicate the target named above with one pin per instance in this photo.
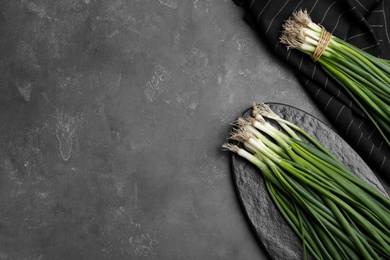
(334, 213)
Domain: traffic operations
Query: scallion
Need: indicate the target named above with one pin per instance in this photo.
(333, 212)
(364, 77)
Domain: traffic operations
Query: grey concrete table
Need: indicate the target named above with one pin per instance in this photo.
(112, 117)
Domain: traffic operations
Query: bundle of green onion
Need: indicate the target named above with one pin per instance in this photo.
(364, 77)
(335, 213)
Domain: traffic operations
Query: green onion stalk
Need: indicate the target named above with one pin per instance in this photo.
(335, 213)
(364, 77)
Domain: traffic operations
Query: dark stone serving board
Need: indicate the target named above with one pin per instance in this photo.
(274, 234)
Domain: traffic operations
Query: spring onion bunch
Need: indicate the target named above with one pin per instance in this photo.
(364, 77)
(334, 212)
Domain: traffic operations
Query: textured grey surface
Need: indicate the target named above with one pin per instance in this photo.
(113, 113)
(273, 232)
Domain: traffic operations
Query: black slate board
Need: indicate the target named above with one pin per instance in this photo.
(274, 234)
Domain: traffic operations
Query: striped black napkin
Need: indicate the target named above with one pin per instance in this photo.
(359, 22)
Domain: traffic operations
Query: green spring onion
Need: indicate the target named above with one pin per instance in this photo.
(333, 212)
(365, 78)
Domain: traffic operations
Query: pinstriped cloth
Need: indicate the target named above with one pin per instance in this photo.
(362, 23)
